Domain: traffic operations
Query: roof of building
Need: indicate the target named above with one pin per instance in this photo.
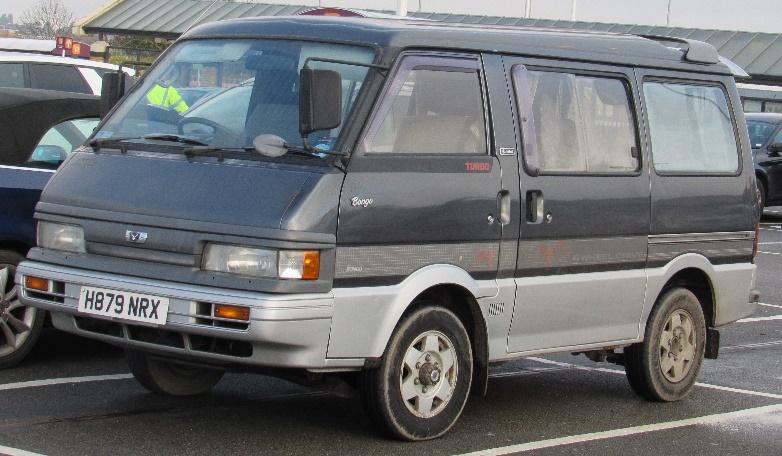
(758, 53)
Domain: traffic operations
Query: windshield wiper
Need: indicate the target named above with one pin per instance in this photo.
(175, 138)
(96, 144)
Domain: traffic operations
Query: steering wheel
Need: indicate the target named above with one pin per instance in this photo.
(218, 129)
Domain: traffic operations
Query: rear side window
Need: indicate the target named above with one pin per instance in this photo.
(582, 124)
(430, 110)
(691, 128)
(11, 75)
(57, 77)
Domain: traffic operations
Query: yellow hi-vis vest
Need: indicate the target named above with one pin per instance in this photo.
(167, 97)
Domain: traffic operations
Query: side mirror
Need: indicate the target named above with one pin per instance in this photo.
(775, 148)
(53, 155)
(111, 91)
(320, 100)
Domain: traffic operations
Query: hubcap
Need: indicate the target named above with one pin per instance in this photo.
(16, 320)
(677, 346)
(428, 375)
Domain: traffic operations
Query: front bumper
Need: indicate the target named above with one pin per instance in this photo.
(285, 330)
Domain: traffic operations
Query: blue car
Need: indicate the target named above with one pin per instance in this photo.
(38, 130)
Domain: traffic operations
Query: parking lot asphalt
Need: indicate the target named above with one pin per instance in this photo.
(75, 396)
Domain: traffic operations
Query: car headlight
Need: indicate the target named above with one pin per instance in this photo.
(258, 262)
(59, 236)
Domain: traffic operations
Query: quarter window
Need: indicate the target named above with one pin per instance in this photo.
(691, 128)
(582, 124)
(430, 110)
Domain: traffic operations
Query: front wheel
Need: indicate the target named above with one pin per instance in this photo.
(169, 378)
(20, 326)
(665, 365)
(422, 384)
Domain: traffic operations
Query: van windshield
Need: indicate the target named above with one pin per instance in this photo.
(224, 93)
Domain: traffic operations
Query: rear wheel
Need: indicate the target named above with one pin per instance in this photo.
(20, 326)
(170, 378)
(665, 365)
(423, 382)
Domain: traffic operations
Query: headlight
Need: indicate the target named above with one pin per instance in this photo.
(257, 262)
(58, 236)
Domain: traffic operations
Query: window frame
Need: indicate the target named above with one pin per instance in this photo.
(406, 62)
(736, 134)
(622, 75)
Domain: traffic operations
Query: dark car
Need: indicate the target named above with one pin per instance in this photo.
(765, 134)
(38, 130)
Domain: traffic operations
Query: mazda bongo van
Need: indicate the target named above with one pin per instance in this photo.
(399, 205)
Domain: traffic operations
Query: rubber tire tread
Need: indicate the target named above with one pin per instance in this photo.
(640, 364)
(371, 382)
(11, 257)
(160, 377)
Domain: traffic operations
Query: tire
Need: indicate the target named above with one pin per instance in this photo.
(170, 378)
(424, 343)
(20, 326)
(664, 367)
(762, 193)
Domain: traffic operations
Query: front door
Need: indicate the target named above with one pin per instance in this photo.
(584, 192)
(423, 186)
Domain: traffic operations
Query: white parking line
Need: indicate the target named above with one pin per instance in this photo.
(621, 372)
(4, 450)
(769, 305)
(770, 253)
(769, 243)
(750, 320)
(757, 345)
(624, 432)
(61, 381)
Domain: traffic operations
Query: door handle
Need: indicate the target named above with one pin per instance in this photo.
(503, 207)
(535, 206)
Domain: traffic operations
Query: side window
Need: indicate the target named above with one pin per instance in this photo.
(751, 105)
(59, 141)
(430, 108)
(691, 128)
(11, 75)
(582, 124)
(57, 77)
(777, 138)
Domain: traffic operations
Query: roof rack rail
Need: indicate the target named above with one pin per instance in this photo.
(694, 51)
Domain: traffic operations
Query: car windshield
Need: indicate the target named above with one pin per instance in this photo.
(759, 132)
(224, 93)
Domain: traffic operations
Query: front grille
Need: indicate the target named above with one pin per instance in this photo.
(172, 339)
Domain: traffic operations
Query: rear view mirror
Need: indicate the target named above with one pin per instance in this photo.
(320, 100)
(111, 91)
(775, 148)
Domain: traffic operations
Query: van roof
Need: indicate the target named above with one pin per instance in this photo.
(394, 35)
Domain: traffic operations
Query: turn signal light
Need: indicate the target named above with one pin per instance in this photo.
(311, 269)
(232, 312)
(36, 283)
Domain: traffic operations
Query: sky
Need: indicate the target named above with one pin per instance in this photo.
(746, 15)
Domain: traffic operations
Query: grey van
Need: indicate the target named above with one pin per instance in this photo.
(398, 205)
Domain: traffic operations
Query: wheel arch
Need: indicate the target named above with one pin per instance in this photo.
(692, 271)
(15, 246)
(383, 308)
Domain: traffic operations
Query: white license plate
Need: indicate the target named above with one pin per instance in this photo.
(123, 305)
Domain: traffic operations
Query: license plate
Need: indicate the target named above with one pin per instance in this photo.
(123, 305)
